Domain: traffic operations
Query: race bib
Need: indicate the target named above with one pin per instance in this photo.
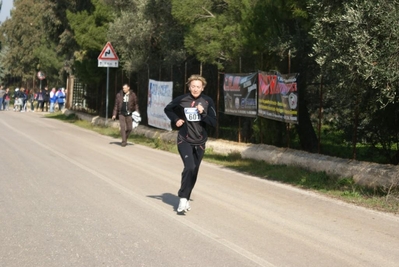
(192, 114)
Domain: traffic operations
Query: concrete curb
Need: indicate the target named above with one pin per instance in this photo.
(367, 174)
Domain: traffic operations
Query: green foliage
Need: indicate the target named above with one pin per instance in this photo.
(356, 49)
(270, 132)
(4, 68)
(89, 72)
(29, 38)
(274, 27)
(213, 32)
(130, 35)
(358, 43)
(22, 34)
(91, 28)
(144, 33)
(48, 60)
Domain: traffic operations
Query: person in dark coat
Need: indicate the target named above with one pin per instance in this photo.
(125, 104)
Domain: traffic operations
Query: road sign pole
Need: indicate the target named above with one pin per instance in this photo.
(106, 99)
(108, 58)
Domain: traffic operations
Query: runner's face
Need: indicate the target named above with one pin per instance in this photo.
(196, 88)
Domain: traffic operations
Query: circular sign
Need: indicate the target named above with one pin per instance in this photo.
(41, 75)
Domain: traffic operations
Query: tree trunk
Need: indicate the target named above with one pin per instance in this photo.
(306, 133)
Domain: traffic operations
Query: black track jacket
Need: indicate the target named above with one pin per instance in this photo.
(183, 107)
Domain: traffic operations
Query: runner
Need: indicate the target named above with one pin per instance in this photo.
(191, 113)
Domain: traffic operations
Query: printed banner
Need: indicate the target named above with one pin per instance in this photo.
(159, 95)
(278, 97)
(240, 94)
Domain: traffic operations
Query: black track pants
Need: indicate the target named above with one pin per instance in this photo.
(191, 156)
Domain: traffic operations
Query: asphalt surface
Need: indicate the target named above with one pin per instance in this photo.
(71, 197)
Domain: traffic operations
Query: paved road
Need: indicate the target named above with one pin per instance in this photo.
(70, 197)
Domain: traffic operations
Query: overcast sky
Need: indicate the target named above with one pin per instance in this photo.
(5, 9)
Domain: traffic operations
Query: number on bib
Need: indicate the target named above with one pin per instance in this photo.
(192, 114)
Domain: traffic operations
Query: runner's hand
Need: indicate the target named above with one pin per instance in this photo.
(179, 123)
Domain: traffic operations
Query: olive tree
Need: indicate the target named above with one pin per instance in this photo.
(356, 49)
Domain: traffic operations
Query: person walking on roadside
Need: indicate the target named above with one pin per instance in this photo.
(40, 100)
(60, 98)
(52, 99)
(191, 113)
(2, 93)
(46, 98)
(18, 100)
(125, 104)
(6, 99)
(31, 98)
(24, 94)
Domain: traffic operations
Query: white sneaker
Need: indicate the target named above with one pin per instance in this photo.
(188, 207)
(182, 205)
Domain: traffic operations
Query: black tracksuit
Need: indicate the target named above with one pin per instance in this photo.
(192, 135)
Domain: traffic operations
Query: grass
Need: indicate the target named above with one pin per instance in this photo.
(344, 189)
(340, 188)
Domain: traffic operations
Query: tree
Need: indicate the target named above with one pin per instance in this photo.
(145, 33)
(213, 33)
(4, 68)
(89, 30)
(22, 35)
(30, 36)
(356, 49)
(277, 32)
(60, 32)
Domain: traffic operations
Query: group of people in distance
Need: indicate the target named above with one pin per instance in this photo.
(45, 100)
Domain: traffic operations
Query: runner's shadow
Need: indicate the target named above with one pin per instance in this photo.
(115, 143)
(169, 199)
(120, 143)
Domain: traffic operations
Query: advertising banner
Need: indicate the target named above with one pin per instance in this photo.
(159, 95)
(240, 94)
(278, 96)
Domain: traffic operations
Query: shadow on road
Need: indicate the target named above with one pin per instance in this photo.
(115, 143)
(120, 143)
(169, 199)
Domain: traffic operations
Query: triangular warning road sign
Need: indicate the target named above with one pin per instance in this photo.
(108, 53)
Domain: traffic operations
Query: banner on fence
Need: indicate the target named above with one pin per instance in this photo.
(240, 94)
(278, 96)
(159, 95)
